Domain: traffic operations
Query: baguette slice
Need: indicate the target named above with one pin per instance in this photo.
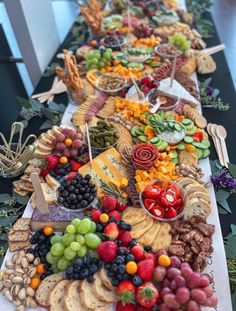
(42, 147)
(101, 292)
(45, 288)
(88, 300)
(41, 154)
(71, 301)
(105, 279)
(56, 296)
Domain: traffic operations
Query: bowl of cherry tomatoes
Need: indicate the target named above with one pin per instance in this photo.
(162, 201)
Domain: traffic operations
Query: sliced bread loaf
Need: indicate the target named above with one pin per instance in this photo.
(101, 292)
(88, 300)
(71, 301)
(105, 279)
(45, 288)
(56, 296)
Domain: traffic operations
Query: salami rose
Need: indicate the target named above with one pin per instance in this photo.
(144, 156)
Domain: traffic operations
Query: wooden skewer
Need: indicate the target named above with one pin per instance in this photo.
(89, 145)
(173, 69)
(139, 92)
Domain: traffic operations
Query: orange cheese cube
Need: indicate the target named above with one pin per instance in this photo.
(124, 182)
(140, 186)
(144, 175)
(163, 170)
(138, 178)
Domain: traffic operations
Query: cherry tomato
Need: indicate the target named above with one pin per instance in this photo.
(149, 203)
(198, 135)
(168, 199)
(175, 189)
(152, 192)
(157, 211)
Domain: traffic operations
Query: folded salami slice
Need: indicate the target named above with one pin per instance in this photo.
(144, 155)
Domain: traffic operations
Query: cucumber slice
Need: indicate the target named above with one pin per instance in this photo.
(138, 132)
(188, 139)
(186, 122)
(171, 125)
(175, 160)
(142, 128)
(177, 127)
(206, 153)
(206, 142)
(142, 138)
(199, 145)
(162, 146)
(191, 131)
(154, 140)
(181, 147)
(189, 126)
(124, 62)
(133, 130)
(199, 153)
(173, 153)
(170, 117)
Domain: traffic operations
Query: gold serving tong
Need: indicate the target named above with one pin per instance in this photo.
(14, 158)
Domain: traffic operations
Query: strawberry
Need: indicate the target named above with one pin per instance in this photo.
(107, 251)
(150, 256)
(145, 269)
(111, 231)
(44, 172)
(126, 238)
(142, 308)
(124, 307)
(147, 295)
(121, 206)
(171, 212)
(52, 161)
(74, 165)
(138, 252)
(125, 292)
(109, 203)
(115, 214)
(94, 214)
(120, 233)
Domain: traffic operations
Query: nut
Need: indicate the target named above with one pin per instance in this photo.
(20, 308)
(24, 263)
(9, 264)
(19, 271)
(22, 253)
(14, 258)
(9, 271)
(8, 295)
(22, 294)
(17, 280)
(1, 287)
(30, 302)
(30, 257)
(17, 302)
(30, 291)
(1, 275)
(36, 261)
(27, 281)
(15, 289)
(7, 283)
(32, 272)
(5, 277)
(18, 260)
(4, 290)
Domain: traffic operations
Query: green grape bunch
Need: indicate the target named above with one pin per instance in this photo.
(97, 59)
(180, 42)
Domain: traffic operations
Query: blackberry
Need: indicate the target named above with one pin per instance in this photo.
(148, 248)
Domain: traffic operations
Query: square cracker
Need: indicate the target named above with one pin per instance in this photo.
(18, 236)
(17, 246)
(163, 238)
(22, 224)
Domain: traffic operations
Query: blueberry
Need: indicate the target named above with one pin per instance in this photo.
(86, 196)
(60, 200)
(86, 260)
(93, 268)
(84, 273)
(83, 182)
(148, 248)
(83, 203)
(119, 277)
(71, 188)
(79, 197)
(128, 227)
(114, 267)
(132, 243)
(70, 269)
(110, 273)
(76, 276)
(99, 227)
(114, 282)
(73, 182)
(129, 257)
(107, 266)
(112, 219)
(90, 198)
(121, 250)
(125, 276)
(119, 260)
(65, 193)
(137, 281)
(61, 188)
(82, 190)
(121, 269)
(100, 264)
(87, 177)
(30, 251)
(90, 279)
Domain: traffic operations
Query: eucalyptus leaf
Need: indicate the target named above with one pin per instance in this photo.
(233, 229)
(46, 125)
(224, 204)
(35, 104)
(48, 113)
(214, 167)
(215, 93)
(24, 102)
(206, 82)
(4, 197)
(221, 210)
(6, 221)
(221, 195)
(22, 200)
(232, 169)
(57, 107)
(3, 237)
(230, 254)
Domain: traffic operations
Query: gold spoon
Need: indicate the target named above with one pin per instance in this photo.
(222, 134)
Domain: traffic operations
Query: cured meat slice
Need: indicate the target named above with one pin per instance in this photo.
(144, 155)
